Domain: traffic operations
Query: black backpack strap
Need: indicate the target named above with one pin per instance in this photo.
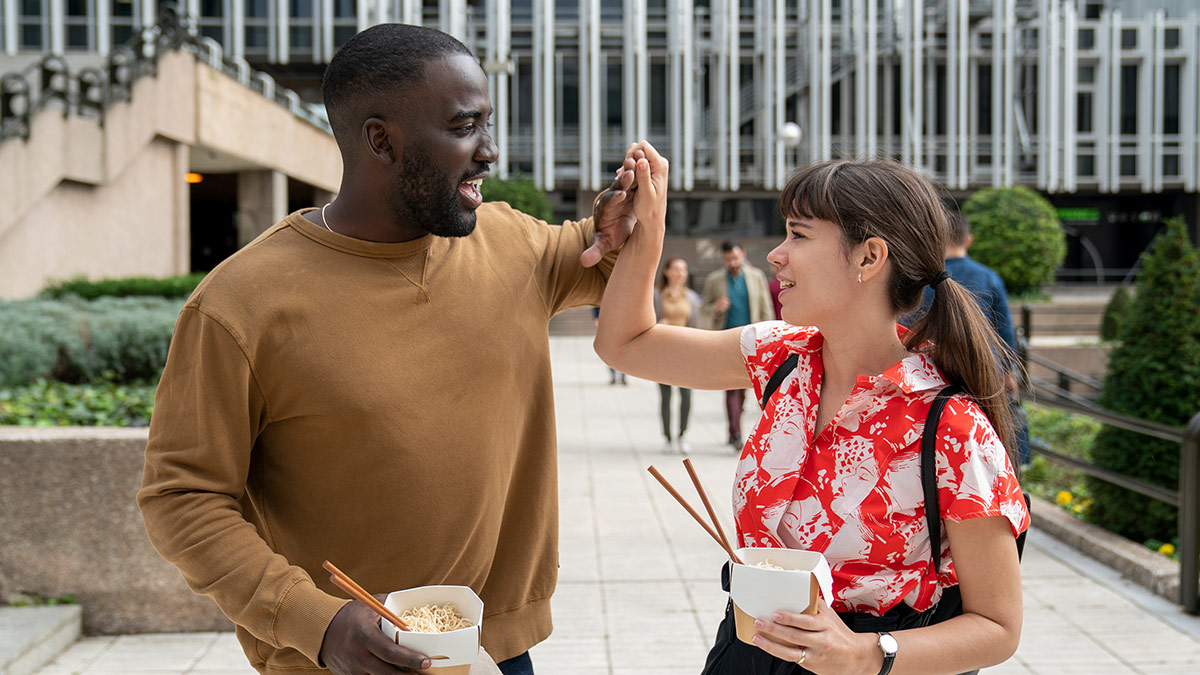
(933, 511)
(784, 369)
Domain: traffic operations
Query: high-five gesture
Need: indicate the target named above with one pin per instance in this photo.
(613, 213)
(650, 197)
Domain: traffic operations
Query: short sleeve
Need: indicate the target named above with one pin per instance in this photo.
(975, 477)
(765, 346)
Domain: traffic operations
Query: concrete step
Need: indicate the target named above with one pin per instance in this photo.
(31, 636)
(574, 321)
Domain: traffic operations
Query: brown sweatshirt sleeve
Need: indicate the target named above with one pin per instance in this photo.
(208, 411)
(565, 283)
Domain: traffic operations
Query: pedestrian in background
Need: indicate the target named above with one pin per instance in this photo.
(734, 296)
(675, 304)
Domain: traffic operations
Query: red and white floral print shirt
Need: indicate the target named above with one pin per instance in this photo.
(854, 492)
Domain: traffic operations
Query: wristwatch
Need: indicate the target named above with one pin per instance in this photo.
(889, 646)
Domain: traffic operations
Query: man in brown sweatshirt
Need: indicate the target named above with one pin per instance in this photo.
(369, 383)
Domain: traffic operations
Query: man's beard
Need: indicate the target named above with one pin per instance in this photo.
(427, 198)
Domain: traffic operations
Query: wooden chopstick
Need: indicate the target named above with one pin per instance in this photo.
(687, 463)
(344, 582)
(688, 507)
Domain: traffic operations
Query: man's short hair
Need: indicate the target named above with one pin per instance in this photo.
(729, 246)
(957, 229)
(383, 61)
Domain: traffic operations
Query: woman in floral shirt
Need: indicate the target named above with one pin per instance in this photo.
(833, 464)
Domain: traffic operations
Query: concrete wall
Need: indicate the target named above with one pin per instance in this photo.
(110, 199)
(69, 524)
(135, 223)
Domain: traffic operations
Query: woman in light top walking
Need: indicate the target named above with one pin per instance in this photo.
(833, 464)
(675, 305)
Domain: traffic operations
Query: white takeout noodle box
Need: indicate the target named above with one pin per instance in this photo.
(460, 646)
(759, 593)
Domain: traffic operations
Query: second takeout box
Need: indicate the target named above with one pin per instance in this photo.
(759, 593)
(460, 646)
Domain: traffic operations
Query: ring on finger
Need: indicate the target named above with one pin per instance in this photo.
(803, 656)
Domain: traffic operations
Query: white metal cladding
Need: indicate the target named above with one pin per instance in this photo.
(1064, 95)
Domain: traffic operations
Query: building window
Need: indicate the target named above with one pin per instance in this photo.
(1129, 96)
(1087, 75)
(121, 17)
(1091, 10)
(1087, 38)
(77, 24)
(1171, 99)
(33, 24)
(1129, 38)
(258, 27)
(1083, 112)
(1171, 38)
(1170, 165)
(1085, 165)
(1128, 165)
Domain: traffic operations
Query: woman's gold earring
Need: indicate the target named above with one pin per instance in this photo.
(860, 277)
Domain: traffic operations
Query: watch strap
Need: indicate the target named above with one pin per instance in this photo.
(888, 657)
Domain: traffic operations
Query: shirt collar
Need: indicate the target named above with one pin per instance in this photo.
(915, 373)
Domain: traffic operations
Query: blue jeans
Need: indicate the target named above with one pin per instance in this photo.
(517, 665)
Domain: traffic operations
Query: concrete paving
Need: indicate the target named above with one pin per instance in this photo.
(639, 584)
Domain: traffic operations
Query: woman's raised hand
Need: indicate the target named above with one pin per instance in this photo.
(650, 178)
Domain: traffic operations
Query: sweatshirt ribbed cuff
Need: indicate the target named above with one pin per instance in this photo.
(303, 616)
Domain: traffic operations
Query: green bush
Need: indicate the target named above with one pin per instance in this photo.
(168, 287)
(1154, 374)
(1018, 234)
(521, 193)
(48, 404)
(1115, 314)
(73, 340)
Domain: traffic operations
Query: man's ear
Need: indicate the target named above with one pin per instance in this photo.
(871, 256)
(380, 140)
(970, 240)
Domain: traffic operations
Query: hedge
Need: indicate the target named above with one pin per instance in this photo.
(73, 340)
(168, 287)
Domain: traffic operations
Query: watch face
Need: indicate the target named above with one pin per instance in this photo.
(888, 644)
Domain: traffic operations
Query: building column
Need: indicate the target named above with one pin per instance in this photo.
(182, 211)
(262, 202)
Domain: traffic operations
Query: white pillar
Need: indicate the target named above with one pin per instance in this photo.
(262, 201)
(591, 111)
(237, 24)
(452, 16)
(10, 35)
(1070, 79)
(410, 12)
(1187, 103)
(58, 28)
(543, 93)
(283, 38)
(998, 102)
(497, 62)
(872, 78)
(1152, 147)
(826, 144)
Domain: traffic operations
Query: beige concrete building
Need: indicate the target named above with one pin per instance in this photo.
(173, 161)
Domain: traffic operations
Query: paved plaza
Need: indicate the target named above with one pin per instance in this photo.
(639, 584)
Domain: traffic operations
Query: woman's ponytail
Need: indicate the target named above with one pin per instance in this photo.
(967, 350)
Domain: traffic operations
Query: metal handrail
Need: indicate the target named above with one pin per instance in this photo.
(1186, 499)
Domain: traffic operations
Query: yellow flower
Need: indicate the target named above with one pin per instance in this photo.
(1078, 508)
(1064, 498)
(1167, 549)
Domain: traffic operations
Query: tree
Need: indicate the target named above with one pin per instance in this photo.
(1114, 314)
(1018, 234)
(1154, 374)
(520, 193)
